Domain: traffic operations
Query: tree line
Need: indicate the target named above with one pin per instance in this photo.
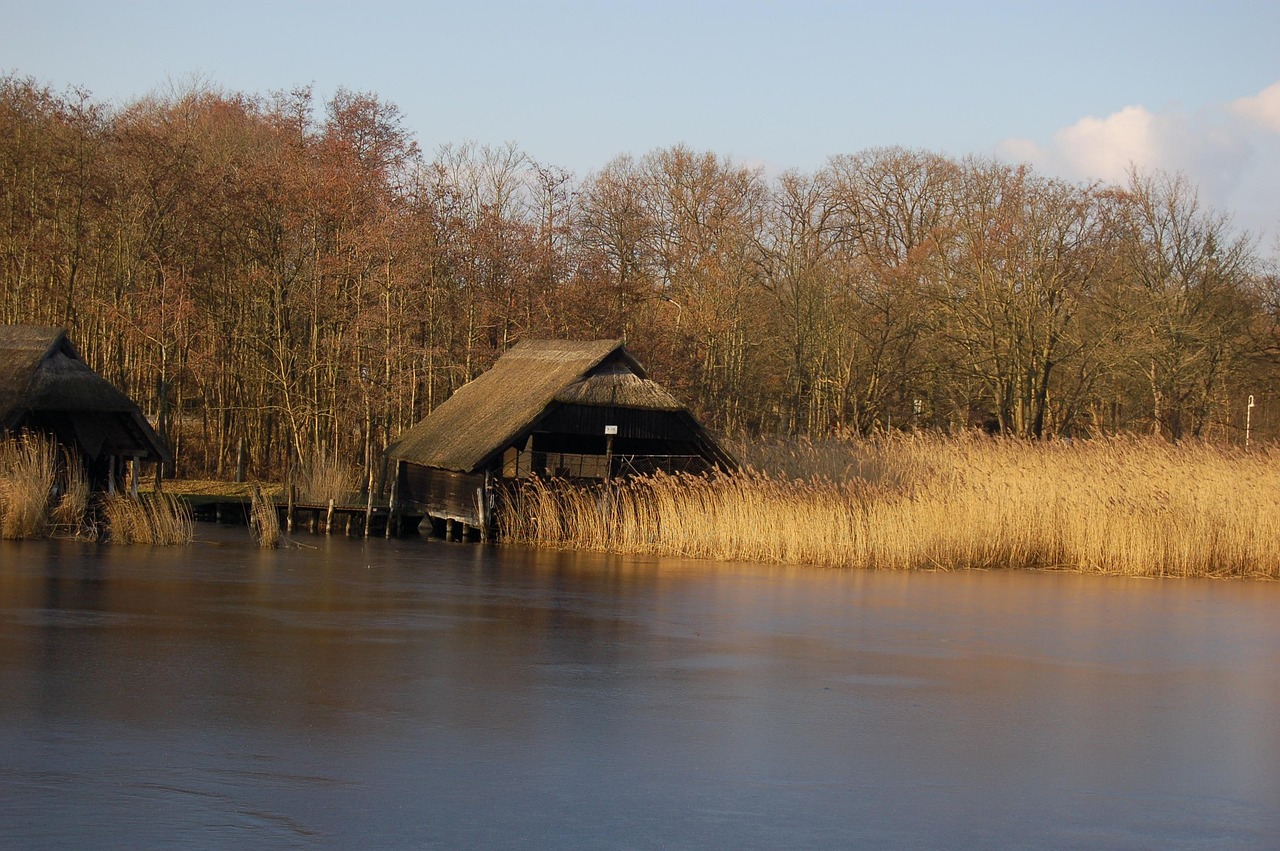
(297, 278)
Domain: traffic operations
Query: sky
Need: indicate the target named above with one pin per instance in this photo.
(1078, 89)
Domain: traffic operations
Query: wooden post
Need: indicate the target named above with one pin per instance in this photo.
(133, 475)
(111, 475)
(288, 489)
(448, 529)
(486, 519)
(368, 506)
(328, 519)
(393, 507)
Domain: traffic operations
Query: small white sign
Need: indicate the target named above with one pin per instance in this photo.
(610, 429)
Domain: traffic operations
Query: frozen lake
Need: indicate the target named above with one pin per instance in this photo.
(405, 694)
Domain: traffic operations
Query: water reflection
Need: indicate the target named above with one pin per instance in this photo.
(405, 694)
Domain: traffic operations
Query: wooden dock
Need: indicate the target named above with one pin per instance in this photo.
(327, 519)
(350, 520)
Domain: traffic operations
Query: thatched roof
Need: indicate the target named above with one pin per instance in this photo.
(41, 373)
(616, 386)
(484, 416)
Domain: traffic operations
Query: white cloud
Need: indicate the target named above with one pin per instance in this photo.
(1103, 148)
(1231, 151)
(1263, 108)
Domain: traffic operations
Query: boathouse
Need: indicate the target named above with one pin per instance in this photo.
(47, 388)
(547, 408)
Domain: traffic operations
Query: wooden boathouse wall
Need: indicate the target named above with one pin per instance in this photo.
(670, 441)
(443, 494)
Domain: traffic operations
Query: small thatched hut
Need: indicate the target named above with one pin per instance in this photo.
(554, 408)
(46, 387)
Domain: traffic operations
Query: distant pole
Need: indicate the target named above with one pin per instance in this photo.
(1248, 421)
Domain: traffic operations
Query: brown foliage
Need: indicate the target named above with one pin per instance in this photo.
(259, 275)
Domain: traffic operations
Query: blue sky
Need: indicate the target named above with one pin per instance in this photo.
(1077, 88)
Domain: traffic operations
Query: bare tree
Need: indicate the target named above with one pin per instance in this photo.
(1187, 278)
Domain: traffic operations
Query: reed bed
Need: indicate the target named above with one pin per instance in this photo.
(43, 490)
(28, 475)
(160, 519)
(1116, 506)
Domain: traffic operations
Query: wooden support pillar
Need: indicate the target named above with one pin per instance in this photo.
(328, 519)
(368, 506)
(486, 508)
(393, 507)
(111, 475)
(448, 530)
(133, 475)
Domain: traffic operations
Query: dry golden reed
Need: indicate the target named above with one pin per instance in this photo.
(70, 515)
(159, 519)
(1117, 506)
(323, 477)
(44, 490)
(264, 521)
(28, 474)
